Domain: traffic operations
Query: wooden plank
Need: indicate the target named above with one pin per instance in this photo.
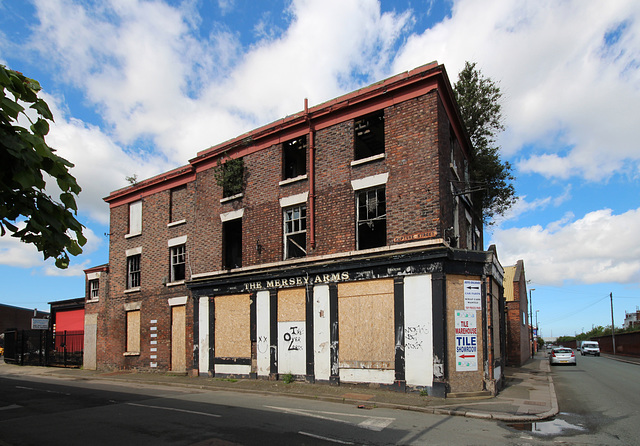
(178, 338)
(232, 326)
(291, 304)
(366, 324)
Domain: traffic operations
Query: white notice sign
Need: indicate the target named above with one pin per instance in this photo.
(472, 295)
(39, 324)
(466, 341)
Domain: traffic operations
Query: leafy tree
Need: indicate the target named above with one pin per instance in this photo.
(26, 210)
(479, 101)
(230, 176)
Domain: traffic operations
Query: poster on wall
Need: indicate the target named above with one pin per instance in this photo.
(472, 295)
(466, 341)
(291, 348)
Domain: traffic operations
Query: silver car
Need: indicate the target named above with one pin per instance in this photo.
(562, 355)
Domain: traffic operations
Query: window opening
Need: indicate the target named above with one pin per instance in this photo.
(372, 218)
(177, 203)
(294, 157)
(369, 136)
(133, 331)
(178, 257)
(232, 243)
(230, 176)
(135, 218)
(295, 232)
(94, 288)
(133, 271)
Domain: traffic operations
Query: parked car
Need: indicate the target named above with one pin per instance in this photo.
(590, 348)
(562, 355)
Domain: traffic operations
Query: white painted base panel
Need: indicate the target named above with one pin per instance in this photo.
(233, 369)
(367, 376)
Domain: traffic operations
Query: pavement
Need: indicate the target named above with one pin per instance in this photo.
(528, 394)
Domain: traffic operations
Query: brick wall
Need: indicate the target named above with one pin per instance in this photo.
(418, 195)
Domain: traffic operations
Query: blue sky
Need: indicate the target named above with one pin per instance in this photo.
(138, 87)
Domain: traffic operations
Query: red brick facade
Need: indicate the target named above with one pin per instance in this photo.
(423, 164)
(518, 332)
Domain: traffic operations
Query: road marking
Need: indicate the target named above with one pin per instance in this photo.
(13, 406)
(43, 390)
(176, 410)
(371, 423)
(320, 437)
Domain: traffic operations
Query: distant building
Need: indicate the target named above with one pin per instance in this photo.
(631, 319)
(18, 318)
(337, 244)
(518, 327)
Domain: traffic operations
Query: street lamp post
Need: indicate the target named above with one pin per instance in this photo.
(537, 329)
(531, 319)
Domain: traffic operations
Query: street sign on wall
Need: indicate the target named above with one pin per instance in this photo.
(39, 324)
(472, 295)
(466, 341)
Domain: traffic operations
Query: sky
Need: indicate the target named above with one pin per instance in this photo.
(139, 87)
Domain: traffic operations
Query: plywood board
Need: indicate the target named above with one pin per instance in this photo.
(366, 324)
(178, 338)
(232, 326)
(291, 304)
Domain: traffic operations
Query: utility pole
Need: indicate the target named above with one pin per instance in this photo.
(531, 320)
(613, 330)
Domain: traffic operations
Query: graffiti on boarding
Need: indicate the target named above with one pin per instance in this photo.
(415, 336)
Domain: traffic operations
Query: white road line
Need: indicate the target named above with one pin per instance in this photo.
(371, 423)
(13, 406)
(320, 437)
(176, 410)
(43, 390)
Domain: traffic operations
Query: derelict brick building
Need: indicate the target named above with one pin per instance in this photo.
(347, 252)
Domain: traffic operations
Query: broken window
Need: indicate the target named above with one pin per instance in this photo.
(294, 154)
(178, 255)
(369, 136)
(230, 176)
(232, 243)
(133, 271)
(295, 232)
(372, 218)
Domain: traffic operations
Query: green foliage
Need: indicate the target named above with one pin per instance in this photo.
(479, 101)
(25, 208)
(288, 378)
(230, 176)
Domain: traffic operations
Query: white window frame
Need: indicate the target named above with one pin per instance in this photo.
(178, 256)
(94, 291)
(132, 274)
(289, 226)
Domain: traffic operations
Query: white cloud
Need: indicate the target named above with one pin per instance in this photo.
(15, 253)
(568, 94)
(601, 247)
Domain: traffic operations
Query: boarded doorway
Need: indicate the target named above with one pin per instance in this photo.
(178, 338)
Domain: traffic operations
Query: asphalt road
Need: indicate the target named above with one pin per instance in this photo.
(598, 400)
(599, 403)
(36, 410)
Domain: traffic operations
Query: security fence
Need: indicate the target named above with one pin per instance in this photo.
(44, 348)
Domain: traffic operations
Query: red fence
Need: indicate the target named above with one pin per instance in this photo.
(627, 344)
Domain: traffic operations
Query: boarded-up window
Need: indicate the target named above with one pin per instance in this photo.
(291, 331)
(135, 218)
(232, 323)
(133, 331)
(366, 324)
(178, 204)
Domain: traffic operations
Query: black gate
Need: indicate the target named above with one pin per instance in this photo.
(44, 348)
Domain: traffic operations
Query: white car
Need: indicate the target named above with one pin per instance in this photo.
(590, 348)
(562, 355)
